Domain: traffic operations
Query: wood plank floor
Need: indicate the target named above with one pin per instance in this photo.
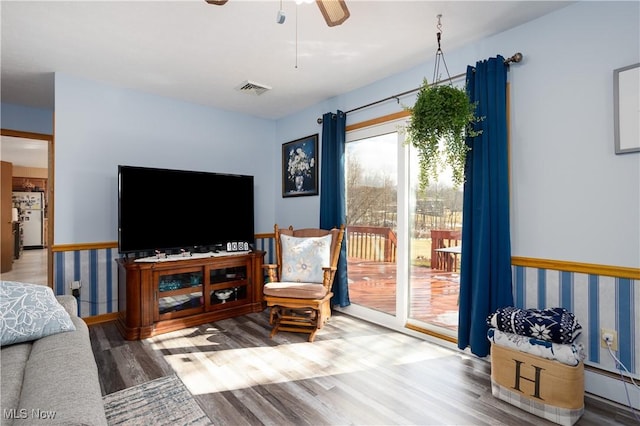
(355, 373)
(30, 268)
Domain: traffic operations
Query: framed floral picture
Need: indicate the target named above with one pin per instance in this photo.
(300, 167)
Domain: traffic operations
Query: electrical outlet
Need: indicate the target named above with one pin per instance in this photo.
(612, 335)
(75, 285)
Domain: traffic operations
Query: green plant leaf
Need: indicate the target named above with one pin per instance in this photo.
(444, 113)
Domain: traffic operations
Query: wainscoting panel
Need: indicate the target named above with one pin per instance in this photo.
(96, 270)
(265, 242)
(95, 267)
(595, 294)
(598, 301)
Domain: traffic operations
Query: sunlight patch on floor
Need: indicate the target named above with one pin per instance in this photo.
(232, 369)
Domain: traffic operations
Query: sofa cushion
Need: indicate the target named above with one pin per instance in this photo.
(61, 376)
(29, 312)
(69, 303)
(13, 361)
(304, 257)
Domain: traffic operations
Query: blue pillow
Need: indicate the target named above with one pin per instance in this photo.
(29, 312)
(304, 258)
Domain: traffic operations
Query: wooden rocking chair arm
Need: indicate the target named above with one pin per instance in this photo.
(329, 271)
(327, 279)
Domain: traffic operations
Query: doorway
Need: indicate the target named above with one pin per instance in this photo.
(31, 157)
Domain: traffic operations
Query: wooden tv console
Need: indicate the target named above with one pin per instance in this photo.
(161, 295)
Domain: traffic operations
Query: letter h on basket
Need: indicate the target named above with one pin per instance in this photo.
(536, 381)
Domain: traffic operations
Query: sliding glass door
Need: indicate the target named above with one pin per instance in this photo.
(371, 176)
(435, 228)
(401, 242)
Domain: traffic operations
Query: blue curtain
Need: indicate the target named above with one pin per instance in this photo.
(485, 269)
(332, 194)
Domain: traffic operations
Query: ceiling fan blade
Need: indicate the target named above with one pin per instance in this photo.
(217, 2)
(335, 12)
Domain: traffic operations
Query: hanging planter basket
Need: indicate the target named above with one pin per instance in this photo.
(441, 119)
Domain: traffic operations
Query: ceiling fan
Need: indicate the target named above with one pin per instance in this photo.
(335, 12)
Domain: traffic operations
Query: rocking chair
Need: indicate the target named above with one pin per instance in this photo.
(298, 291)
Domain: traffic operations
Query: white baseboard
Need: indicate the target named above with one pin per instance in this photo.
(612, 389)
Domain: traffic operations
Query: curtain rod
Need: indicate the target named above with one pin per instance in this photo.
(517, 57)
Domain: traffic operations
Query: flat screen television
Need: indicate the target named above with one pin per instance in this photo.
(169, 210)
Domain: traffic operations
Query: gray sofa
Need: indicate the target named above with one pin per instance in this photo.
(52, 380)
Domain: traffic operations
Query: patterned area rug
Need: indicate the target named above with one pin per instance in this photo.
(164, 401)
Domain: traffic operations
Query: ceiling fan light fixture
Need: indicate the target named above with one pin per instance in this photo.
(217, 2)
(335, 12)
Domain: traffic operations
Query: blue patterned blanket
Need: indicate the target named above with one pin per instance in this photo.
(569, 354)
(554, 324)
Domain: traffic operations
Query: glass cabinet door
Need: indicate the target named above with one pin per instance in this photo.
(227, 285)
(179, 294)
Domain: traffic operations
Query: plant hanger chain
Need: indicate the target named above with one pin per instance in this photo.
(440, 56)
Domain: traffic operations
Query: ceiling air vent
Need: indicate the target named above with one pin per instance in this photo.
(252, 87)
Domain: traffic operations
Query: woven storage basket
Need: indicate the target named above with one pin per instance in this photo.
(546, 388)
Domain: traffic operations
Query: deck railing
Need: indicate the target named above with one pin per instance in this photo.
(375, 243)
(380, 244)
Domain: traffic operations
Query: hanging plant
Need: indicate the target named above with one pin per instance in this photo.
(442, 113)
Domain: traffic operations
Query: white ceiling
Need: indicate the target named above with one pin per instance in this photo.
(199, 53)
(24, 152)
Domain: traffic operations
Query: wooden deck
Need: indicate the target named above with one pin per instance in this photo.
(433, 293)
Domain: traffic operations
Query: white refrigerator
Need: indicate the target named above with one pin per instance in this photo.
(31, 208)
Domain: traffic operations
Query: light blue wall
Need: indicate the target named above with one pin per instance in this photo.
(99, 127)
(573, 199)
(26, 119)
(301, 212)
